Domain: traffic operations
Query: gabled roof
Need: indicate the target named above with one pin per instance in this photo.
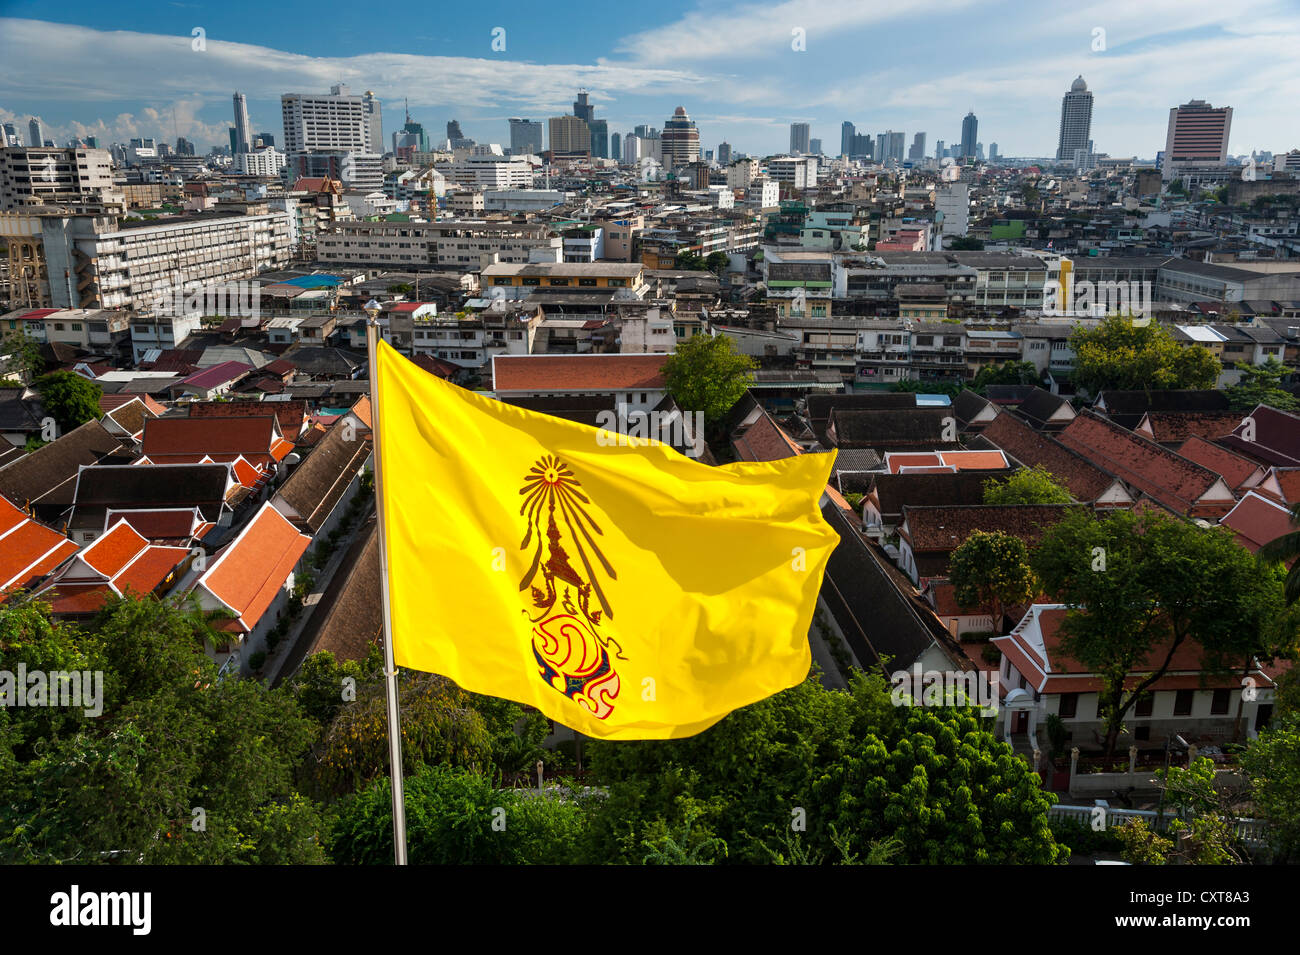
(1126, 408)
(1282, 484)
(258, 439)
(820, 406)
(1084, 480)
(944, 529)
(117, 562)
(163, 524)
(1233, 468)
(1183, 486)
(550, 373)
(28, 550)
(45, 480)
(973, 411)
(215, 376)
(882, 429)
(1256, 520)
(759, 438)
(130, 416)
(1044, 410)
(291, 414)
(251, 570)
(898, 462)
(892, 492)
(1172, 427)
(315, 486)
(149, 487)
(1276, 437)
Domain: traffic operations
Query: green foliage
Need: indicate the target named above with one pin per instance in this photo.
(455, 817)
(1261, 385)
(966, 243)
(716, 262)
(70, 399)
(21, 357)
(1142, 846)
(1283, 550)
(949, 388)
(1177, 188)
(690, 261)
(320, 683)
(991, 570)
(1117, 354)
(1056, 735)
(816, 774)
(1272, 763)
(1027, 486)
(1140, 586)
(1008, 373)
(707, 374)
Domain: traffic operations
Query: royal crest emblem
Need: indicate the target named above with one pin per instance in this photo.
(567, 606)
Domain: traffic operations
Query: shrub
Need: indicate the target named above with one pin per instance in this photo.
(256, 660)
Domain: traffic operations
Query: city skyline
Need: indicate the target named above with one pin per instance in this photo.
(732, 67)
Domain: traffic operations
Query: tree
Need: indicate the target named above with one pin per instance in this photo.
(706, 374)
(991, 570)
(1008, 373)
(1139, 587)
(966, 243)
(1260, 385)
(1176, 188)
(20, 357)
(949, 388)
(717, 262)
(1272, 763)
(1027, 486)
(1118, 354)
(689, 260)
(1286, 550)
(70, 399)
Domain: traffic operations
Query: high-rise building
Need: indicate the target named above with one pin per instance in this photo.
(917, 152)
(599, 138)
(11, 135)
(374, 120)
(631, 147)
(583, 109)
(333, 122)
(525, 137)
(243, 131)
(979, 151)
(615, 147)
(92, 142)
(455, 138)
(570, 136)
(938, 149)
(993, 152)
(35, 133)
(266, 138)
(847, 131)
(724, 154)
(234, 140)
(799, 144)
(645, 132)
(862, 146)
(1076, 120)
(184, 147)
(680, 140)
(889, 147)
(1198, 136)
(969, 130)
(815, 147)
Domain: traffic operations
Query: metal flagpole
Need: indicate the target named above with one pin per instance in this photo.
(390, 668)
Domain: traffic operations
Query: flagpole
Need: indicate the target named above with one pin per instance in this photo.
(390, 668)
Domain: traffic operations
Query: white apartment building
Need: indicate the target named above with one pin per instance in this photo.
(158, 332)
(80, 327)
(490, 172)
(337, 121)
(264, 162)
(953, 200)
(741, 173)
(798, 172)
(52, 176)
(450, 243)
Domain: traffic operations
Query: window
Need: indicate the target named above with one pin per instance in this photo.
(504, 281)
(1144, 705)
(58, 326)
(530, 280)
(617, 283)
(1183, 702)
(924, 340)
(76, 326)
(559, 281)
(1069, 705)
(1219, 705)
(587, 283)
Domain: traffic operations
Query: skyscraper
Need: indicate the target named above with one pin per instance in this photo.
(1198, 136)
(938, 149)
(599, 138)
(570, 136)
(815, 147)
(10, 135)
(680, 140)
(645, 132)
(334, 122)
(35, 133)
(799, 134)
(374, 121)
(993, 152)
(525, 137)
(917, 152)
(847, 132)
(724, 154)
(615, 147)
(1076, 120)
(243, 132)
(969, 129)
(889, 147)
(583, 109)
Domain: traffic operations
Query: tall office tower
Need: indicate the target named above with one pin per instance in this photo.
(993, 152)
(599, 138)
(645, 132)
(4, 136)
(799, 144)
(862, 146)
(11, 135)
(184, 147)
(234, 140)
(724, 154)
(969, 130)
(92, 142)
(938, 149)
(615, 147)
(889, 147)
(815, 147)
(583, 109)
(374, 121)
(917, 152)
(525, 137)
(333, 122)
(847, 131)
(570, 136)
(1076, 120)
(35, 133)
(266, 138)
(243, 132)
(1198, 136)
(631, 147)
(979, 151)
(680, 140)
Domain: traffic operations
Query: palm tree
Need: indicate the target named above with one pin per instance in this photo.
(1287, 548)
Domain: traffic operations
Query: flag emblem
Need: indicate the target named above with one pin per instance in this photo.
(572, 655)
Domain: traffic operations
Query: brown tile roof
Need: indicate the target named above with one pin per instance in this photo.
(1084, 480)
(547, 373)
(45, 480)
(1126, 408)
(353, 622)
(1181, 485)
(131, 416)
(290, 414)
(1172, 427)
(1288, 482)
(764, 440)
(895, 428)
(1256, 520)
(943, 529)
(1233, 468)
(890, 492)
(189, 439)
(315, 486)
(1276, 440)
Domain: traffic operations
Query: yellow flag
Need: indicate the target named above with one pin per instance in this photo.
(626, 592)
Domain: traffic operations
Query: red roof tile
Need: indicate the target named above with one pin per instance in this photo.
(1082, 478)
(252, 569)
(1233, 468)
(1170, 427)
(551, 373)
(111, 552)
(1256, 520)
(170, 440)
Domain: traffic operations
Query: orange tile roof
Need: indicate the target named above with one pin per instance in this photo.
(552, 373)
(111, 553)
(245, 473)
(974, 460)
(28, 550)
(362, 410)
(252, 569)
(150, 569)
(896, 461)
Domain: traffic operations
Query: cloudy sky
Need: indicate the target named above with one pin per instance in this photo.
(123, 70)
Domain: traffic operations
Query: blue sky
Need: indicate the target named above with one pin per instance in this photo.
(118, 71)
